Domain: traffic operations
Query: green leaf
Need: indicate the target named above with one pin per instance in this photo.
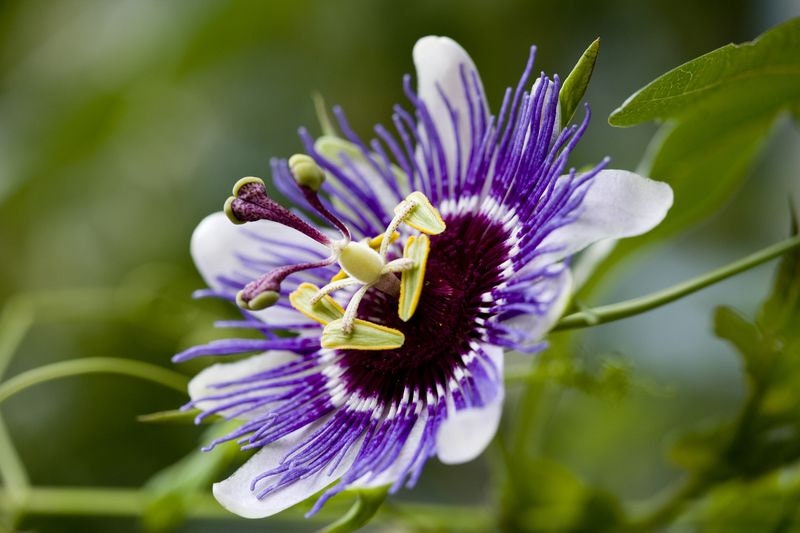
(769, 65)
(765, 435)
(705, 155)
(781, 311)
(543, 495)
(744, 335)
(717, 111)
(769, 504)
(698, 451)
(368, 502)
(576, 83)
(172, 490)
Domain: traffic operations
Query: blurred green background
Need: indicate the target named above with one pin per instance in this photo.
(123, 123)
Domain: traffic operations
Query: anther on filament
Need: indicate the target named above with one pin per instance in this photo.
(365, 264)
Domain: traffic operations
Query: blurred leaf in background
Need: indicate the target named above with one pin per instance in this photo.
(717, 111)
(765, 436)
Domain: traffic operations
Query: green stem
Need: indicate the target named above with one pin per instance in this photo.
(93, 365)
(618, 311)
(12, 470)
(15, 321)
(104, 501)
(114, 501)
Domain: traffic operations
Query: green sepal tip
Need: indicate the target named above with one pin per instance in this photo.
(575, 85)
(364, 336)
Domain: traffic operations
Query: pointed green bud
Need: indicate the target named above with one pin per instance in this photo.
(323, 311)
(575, 85)
(259, 302)
(422, 216)
(306, 172)
(411, 281)
(364, 336)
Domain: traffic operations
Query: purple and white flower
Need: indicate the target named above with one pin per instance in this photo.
(328, 414)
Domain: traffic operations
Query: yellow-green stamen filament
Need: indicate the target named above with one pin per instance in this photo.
(365, 263)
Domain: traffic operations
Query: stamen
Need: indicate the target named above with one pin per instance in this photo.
(332, 287)
(351, 310)
(402, 211)
(418, 212)
(399, 265)
(250, 203)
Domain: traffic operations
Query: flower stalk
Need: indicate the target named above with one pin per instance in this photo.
(617, 311)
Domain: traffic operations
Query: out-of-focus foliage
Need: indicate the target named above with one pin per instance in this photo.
(771, 503)
(170, 491)
(543, 496)
(717, 111)
(765, 436)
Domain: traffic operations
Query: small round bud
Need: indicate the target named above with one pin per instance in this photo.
(244, 181)
(259, 302)
(306, 172)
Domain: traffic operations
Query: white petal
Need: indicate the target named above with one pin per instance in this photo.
(202, 385)
(559, 289)
(216, 243)
(465, 434)
(587, 262)
(618, 204)
(235, 495)
(401, 462)
(439, 61)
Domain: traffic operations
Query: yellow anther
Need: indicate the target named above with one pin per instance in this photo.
(413, 279)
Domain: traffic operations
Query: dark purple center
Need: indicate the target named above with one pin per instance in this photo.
(464, 263)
